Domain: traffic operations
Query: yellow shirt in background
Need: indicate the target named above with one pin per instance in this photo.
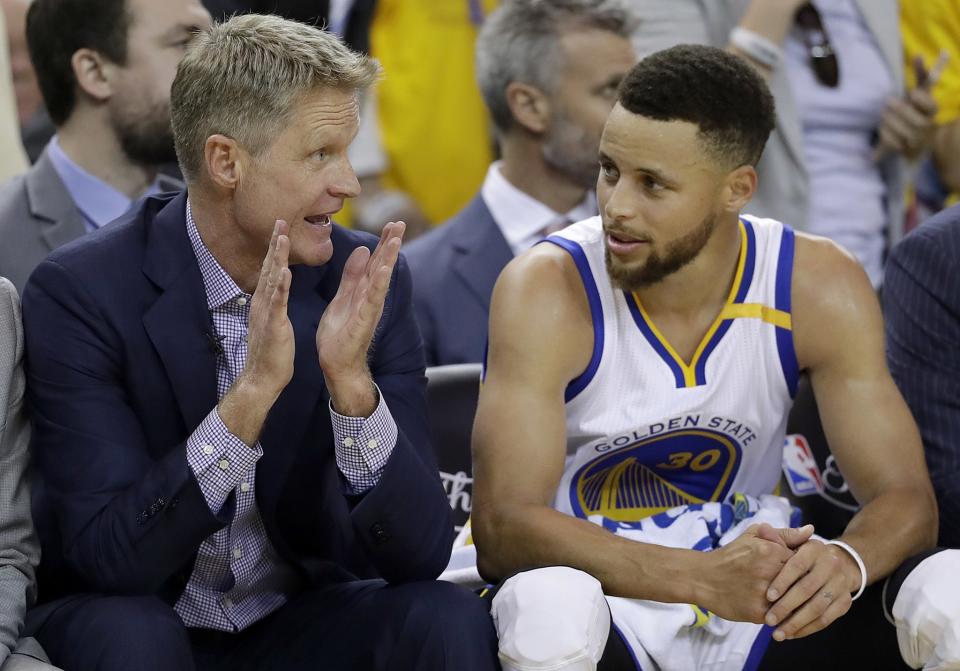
(929, 27)
(433, 123)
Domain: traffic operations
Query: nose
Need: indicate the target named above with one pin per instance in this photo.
(345, 183)
(617, 202)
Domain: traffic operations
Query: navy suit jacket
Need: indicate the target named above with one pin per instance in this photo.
(454, 269)
(921, 296)
(121, 371)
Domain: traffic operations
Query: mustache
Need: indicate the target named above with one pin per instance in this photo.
(623, 233)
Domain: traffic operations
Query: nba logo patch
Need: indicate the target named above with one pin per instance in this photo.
(800, 467)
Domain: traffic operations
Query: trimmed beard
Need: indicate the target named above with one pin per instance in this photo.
(570, 150)
(146, 138)
(678, 254)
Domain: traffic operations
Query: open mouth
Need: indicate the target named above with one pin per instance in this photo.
(318, 220)
(622, 243)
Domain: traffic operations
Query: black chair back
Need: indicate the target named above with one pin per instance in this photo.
(452, 393)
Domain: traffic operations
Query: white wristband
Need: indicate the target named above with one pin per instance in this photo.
(856, 557)
(757, 47)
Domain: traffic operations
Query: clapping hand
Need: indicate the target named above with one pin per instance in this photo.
(270, 341)
(348, 324)
(268, 367)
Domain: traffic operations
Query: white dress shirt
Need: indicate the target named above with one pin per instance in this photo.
(522, 218)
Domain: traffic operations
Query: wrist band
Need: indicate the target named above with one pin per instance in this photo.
(757, 47)
(856, 557)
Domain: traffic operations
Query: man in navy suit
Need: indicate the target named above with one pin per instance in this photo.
(548, 73)
(228, 396)
(921, 299)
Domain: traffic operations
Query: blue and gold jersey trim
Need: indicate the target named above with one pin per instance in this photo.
(788, 355)
(580, 383)
(693, 374)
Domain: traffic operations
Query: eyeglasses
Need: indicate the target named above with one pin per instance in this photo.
(823, 60)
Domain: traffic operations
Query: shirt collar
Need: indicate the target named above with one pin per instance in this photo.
(220, 287)
(521, 217)
(98, 202)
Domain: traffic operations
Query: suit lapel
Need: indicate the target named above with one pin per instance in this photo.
(178, 322)
(49, 200)
(481, 250)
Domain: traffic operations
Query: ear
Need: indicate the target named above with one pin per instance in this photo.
(92, 72)
(224, 158)
(739, 188)
(529, 106)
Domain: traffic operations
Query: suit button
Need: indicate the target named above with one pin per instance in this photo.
(173, 503)
(379, 534)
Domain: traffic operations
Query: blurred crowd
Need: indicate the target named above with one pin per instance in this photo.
(865, 147)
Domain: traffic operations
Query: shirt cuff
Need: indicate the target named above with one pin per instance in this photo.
(364, 445)
(219, 459)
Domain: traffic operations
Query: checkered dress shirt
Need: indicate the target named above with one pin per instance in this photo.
(238, 577)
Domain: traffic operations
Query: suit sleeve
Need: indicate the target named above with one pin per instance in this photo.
(404, 521)
(922, 311)
(19, 548)
(127, 520)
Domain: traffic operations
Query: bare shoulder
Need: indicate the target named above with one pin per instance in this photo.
(540, 298)
(545, 268)
(834, 304)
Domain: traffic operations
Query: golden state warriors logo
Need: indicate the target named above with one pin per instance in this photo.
(656, 473)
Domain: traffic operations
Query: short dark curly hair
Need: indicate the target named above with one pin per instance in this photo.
(719, 92)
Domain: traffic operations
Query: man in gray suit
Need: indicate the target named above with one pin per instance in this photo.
(105, 68)
(19, 547)
(548, 73)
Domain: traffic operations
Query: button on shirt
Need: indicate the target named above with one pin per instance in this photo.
(98, 202)
(238, 577)
(522, 219)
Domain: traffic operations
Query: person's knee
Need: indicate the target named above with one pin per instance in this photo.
(551, 618)
(927, 613)
(121, 633)
(450, 611)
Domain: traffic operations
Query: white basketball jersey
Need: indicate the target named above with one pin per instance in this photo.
(647, 431)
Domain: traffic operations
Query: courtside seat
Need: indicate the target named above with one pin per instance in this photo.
(452, 393)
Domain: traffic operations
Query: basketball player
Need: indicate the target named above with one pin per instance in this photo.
(641, 368)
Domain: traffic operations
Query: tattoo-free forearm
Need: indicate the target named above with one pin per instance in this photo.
(244, 408)
(512, 537)
(897, 524)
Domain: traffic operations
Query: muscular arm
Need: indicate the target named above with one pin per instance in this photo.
(839, 341)
(838, 335)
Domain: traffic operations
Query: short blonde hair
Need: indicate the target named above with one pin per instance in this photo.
(243, 78)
